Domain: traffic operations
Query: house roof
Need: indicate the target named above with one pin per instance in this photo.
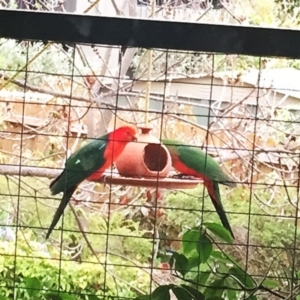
(284, 80)
(281, 80)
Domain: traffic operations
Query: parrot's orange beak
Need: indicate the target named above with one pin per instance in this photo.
(134, 139)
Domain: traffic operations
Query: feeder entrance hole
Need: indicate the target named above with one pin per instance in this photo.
(155, 157)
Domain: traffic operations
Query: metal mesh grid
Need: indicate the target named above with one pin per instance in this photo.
(116, 238)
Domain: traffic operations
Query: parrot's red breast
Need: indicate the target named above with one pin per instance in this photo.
(184, 169)
(116, 143)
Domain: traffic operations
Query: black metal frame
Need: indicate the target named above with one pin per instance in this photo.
(146, 33)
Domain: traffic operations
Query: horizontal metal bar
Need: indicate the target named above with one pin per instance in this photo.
(147, 33)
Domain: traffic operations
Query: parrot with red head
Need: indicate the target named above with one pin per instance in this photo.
(191, 161)
(89, 163)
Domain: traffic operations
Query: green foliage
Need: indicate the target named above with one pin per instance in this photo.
(189, 208)
(266, 225)
(34, 271)
(289, 6)
(32, 274)
(14, 57)
(184, 208)
(219, 231)
(32, 196)
(227, 281)
(125, 236)
(182, 292)
(272, 234)
(190, 240)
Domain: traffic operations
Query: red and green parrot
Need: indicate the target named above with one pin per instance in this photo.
(89, 163)
(192, 161)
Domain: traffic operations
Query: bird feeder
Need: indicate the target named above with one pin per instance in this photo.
(146, 158)
(147, 163)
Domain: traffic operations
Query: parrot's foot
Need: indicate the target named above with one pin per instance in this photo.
(182, 176)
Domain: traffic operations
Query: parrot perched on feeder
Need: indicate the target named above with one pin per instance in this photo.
(192, 161)
(89, 162)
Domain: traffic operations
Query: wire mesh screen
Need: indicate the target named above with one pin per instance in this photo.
(151, 220)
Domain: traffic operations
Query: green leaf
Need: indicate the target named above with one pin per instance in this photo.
(253, 297)
(190, 241)
(194, 292)
(205, 248)
(270, 283)
(33, 286)
(202, 278)
(161, 293)
(227, 259)
(216, 298)
(194, 261)
(219, 231)
(230, 292)
(182, 294)
(216, 289)
(93, 297)
(143, 297)
(3, 298)
(61, 296)
(181, 263)
(65, 296)
(219, 256)
(242, 277)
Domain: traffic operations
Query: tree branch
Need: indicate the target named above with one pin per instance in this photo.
(14, 170)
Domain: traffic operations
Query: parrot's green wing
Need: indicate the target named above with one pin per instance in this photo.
(196, 159)
(80, 165)
(195, 162)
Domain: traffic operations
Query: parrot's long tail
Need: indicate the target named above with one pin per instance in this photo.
(58, 184)
(229, 183)
(60, 210)
(214, 193)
